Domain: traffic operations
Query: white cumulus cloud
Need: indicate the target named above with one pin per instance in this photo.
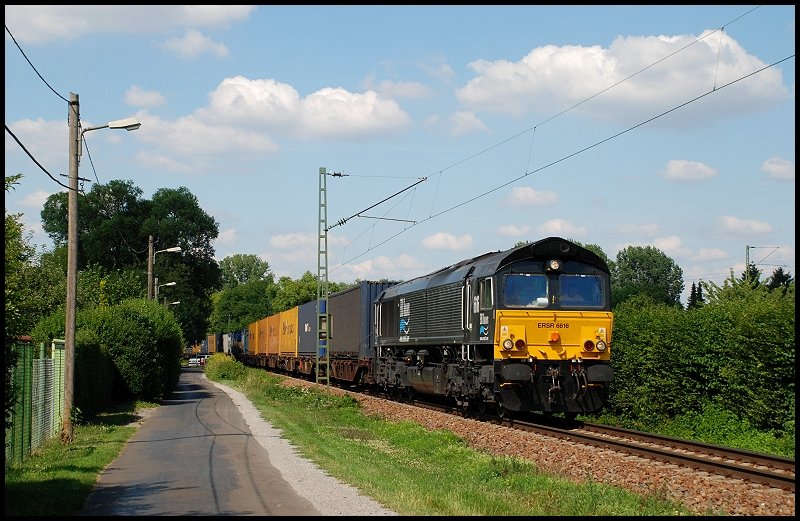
(447, 241)
(683, 170)
(779, 169)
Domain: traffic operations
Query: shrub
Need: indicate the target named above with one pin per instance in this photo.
(94, 374)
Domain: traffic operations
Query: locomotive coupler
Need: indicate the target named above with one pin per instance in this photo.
(581, 383)
(554, 387)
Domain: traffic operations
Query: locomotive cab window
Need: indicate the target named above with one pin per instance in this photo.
(486, 293)
(525, 290)
(580, 290)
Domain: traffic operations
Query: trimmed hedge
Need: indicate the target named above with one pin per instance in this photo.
(738, 354)
(128, 350)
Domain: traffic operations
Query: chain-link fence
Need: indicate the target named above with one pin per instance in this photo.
(39, 385)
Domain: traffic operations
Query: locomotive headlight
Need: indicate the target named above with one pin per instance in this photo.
(508, 344)
(553, 265)
(601, 346)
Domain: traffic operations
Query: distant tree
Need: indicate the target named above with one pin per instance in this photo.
(734, 289)
(110, 220)
(176, 218)
(646, 270)
(752, 275)
(47, 282)
(692, 302)
(18, 254)
(696, 298)
(243, 268)
(779, 280)
(295, 292)
(237, 307)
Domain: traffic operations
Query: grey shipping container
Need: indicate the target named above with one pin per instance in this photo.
(307, 327)
(352, 314)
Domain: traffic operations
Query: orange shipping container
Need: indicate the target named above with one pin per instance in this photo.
(252, 344)
(288, 332)
(273, 334)
(263, 332)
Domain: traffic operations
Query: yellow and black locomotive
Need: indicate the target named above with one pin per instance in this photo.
(527, 329)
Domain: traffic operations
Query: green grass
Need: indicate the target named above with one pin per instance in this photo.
(406, 468)
(719, 427)
(57, 478)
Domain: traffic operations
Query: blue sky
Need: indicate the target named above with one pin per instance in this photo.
(670, 126)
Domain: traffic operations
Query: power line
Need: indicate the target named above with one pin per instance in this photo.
(34, 159)
(32, 67)
(714, 88)
(342, 221)
(573, 154)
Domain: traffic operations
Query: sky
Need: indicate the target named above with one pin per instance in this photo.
(457, 130)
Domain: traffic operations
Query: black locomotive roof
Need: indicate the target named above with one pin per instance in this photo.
(488, 263)
(556, 248)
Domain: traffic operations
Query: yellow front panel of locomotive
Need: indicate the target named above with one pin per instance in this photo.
(553, 335)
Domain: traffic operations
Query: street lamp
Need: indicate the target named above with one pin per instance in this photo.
(174, 303)
(161, 286)
(127, 124)
(75, 148)
(151, 259)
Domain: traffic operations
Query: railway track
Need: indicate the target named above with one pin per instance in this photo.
(765, 469)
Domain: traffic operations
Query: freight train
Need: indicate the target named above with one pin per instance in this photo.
(526, 329)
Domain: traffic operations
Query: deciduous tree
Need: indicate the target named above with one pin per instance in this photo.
(646, 270)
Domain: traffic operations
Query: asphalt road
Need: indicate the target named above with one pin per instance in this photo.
(194, 455)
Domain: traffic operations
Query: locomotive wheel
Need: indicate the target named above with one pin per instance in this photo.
(502, 411)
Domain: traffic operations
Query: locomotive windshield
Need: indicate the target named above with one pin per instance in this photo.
(574, 290)
(580, 290)
(525, 290)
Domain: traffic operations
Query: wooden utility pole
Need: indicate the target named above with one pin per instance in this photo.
(72, 268)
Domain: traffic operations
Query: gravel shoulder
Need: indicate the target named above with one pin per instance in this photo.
(330, 496)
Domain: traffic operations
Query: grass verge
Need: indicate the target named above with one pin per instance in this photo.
(56, 479)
